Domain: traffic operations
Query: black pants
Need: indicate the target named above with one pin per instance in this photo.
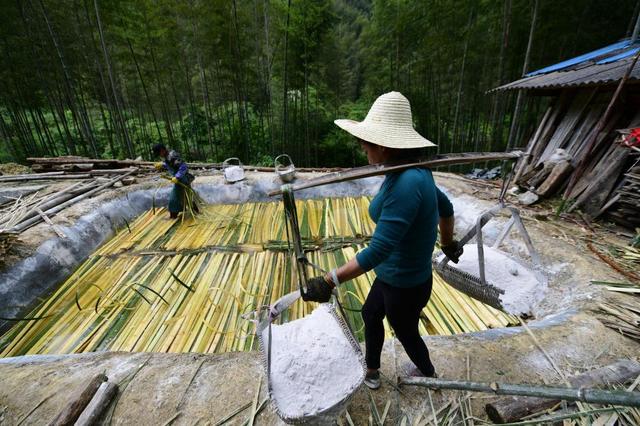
(402, 307)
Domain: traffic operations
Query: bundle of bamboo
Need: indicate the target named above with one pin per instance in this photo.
(171, 286)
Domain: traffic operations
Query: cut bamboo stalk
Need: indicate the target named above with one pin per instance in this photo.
(28, 223)
(98, 404)
(511, 409)
(53, 226)
(112, 316)
(43, 176)
(72, 411)
(594, 396)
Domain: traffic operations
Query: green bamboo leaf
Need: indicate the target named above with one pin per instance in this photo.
(153, 291)
(182, 283)
(141, 295)
(77, 301)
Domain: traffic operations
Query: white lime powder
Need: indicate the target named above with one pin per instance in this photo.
(313, 364)
(522, 288)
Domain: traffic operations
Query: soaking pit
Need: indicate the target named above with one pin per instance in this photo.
(166, 286)
(161, 285)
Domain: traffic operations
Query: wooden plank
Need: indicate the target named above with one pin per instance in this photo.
(524, 162)
(598, 191)
(557, 177)
(592, 143)
(381, 169)
(569, 121)
(553, 124)
(30, 174)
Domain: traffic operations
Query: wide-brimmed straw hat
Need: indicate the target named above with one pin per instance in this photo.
(388, 124)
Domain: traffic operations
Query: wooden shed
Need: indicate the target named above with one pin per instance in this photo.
(598, 173)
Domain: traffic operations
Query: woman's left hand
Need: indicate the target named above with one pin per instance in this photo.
(318, 290)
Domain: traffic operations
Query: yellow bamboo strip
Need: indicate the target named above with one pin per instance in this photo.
(131, 316)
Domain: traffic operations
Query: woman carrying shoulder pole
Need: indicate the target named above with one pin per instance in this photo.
(407, 211)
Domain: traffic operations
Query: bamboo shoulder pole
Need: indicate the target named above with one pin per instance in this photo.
(381, 169)
(590, 395)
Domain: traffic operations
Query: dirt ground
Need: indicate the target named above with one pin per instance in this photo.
(203, 389)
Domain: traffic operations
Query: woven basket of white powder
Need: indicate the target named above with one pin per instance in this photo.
(518, 286)
(314, 366)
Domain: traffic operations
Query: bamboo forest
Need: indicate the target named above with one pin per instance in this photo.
(256, 78)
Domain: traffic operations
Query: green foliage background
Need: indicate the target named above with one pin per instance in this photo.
(255, 78)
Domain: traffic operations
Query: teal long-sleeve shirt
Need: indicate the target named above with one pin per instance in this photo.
(406, 211)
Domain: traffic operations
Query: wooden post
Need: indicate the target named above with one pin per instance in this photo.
(72, 411)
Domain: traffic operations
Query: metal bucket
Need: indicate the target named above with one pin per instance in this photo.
(329, 414)
(232, 172)
(286, 172)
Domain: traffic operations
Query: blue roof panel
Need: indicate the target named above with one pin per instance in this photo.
(582, 58)
(625, 54)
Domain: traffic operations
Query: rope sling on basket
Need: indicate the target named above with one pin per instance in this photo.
(334, 320)
(477, 286)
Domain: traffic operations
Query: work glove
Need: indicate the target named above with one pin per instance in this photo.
(453, 251)
(318, 290)
(159, 166)
(174, 179)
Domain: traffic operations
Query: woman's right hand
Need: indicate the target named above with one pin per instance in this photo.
(318, 290)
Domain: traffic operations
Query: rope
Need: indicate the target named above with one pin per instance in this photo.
(293, 233)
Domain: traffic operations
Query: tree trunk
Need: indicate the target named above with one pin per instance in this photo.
(462, 68)
(69, 91)
(525, 67)
(129, 145)
(144, 89)
(285, 101)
